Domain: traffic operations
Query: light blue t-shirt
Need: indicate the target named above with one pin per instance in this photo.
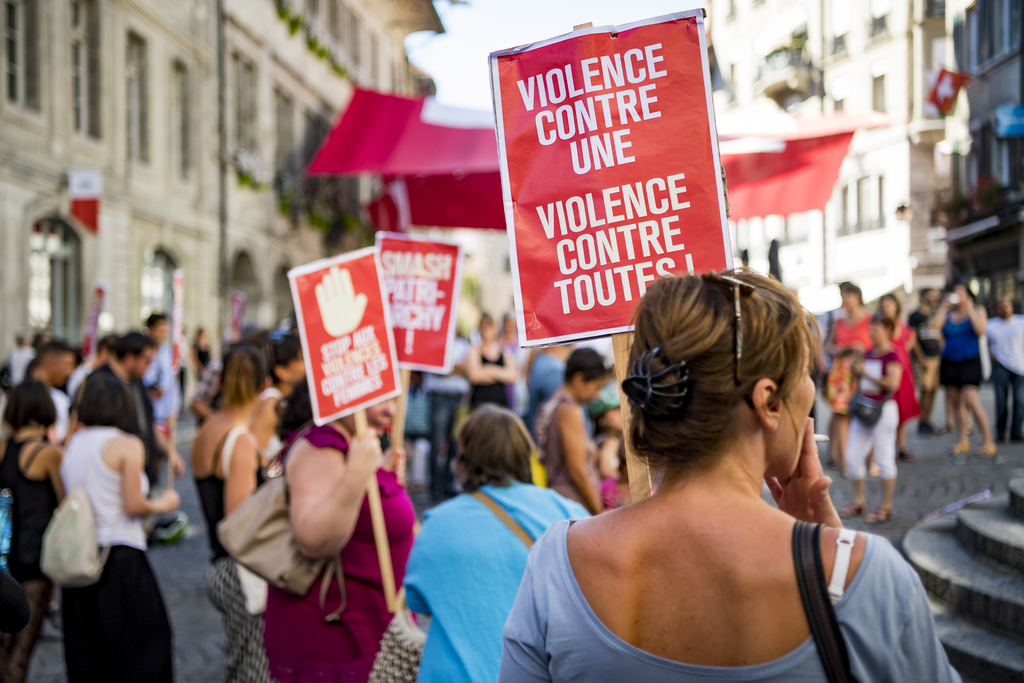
(552, 633)
(465, 569)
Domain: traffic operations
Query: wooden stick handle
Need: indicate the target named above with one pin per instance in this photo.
(637, 470)
(380, 531)
(398, 423)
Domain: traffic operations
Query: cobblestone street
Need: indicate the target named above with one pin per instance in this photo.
(935, 479)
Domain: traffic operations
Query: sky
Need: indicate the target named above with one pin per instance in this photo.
(457, 59)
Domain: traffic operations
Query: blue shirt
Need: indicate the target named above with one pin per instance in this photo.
(161, 375)
(547, 374)
(961, 341)
(552, 633)
(465, 569)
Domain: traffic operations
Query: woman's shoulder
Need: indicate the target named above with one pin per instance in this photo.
(885, 581)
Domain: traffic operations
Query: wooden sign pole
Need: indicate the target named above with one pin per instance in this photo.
(380, 531)
(637, 470)
(398, 422)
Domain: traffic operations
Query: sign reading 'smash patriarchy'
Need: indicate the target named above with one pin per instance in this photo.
(422, 277)
(345, 329)
(610, 171)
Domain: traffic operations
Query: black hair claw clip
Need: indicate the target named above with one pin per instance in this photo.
(649, 391)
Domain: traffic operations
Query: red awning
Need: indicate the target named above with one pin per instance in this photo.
(791, 177)
(440, 164)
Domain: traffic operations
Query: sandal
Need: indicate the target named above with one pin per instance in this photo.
(986, 450)
(880, 515)
(962, 448)
(905, 456)
(854, 510)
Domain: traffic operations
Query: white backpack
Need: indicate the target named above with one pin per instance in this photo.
(71, 555)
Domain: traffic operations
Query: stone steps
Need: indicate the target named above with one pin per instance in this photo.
(990, 528)
(967, 583)
(978, 653)
(1017, 497)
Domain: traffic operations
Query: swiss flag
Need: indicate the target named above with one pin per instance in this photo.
(944, 92)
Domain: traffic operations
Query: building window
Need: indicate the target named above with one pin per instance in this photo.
(138, 110)
(732, 10)
(54, 291)
(878, 93)
(181, 142)
(1015, 23)
(312, 9)
(245, 104)
(732, 83)
(314, 132)
(882, 201)
(284, 112)
(374, 46)
(157, 281)
(845, 222)
(840, 24)
(864, 209)
(354, 43)
(85, 67)
(879, 17)
(334, 19)
(21, 38)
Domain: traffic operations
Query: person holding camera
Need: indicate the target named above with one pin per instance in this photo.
(962, 324)
(880, 373)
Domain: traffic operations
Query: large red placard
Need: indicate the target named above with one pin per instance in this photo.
(346, 335)
(422, 278)
(610, 171)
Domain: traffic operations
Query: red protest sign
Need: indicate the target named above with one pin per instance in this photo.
(346, 336)
(610, 171)
(422, 278)
(99, 293)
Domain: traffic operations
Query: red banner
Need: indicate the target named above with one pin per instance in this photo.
(422, 278)
(99, 293)
(610, 171)
(177, 317)
(237, 316)
(346, 335)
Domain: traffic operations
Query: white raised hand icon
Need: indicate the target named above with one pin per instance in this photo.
(341, 309)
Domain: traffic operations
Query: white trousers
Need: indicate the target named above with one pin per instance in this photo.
(881, 438)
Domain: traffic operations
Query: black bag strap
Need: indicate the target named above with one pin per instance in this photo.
(821, 617)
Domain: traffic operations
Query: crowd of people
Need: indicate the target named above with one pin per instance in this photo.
(523, 452)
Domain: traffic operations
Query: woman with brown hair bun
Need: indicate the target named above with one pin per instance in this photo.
(698, 582)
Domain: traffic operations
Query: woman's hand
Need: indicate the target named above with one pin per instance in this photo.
(394, 461)
(857, 369)
(168, 501)
(364, 456)
(805, 494)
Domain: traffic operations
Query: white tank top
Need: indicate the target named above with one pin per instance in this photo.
(83, 467)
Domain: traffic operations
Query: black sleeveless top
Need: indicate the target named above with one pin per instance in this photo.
(494, 392)
(211, 497)
(33, 504)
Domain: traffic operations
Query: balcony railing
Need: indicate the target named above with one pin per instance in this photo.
(934, 9)
(860, 226)
(784, 73)
(878, 26)
(839, 45)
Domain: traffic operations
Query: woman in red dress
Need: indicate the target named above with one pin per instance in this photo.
(906, 397)
(849, 340)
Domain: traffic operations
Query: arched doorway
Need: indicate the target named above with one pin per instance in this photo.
(243, 279)
(55, 288)
(283, 307)
(157, 278)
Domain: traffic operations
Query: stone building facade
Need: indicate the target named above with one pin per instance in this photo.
(130, 87)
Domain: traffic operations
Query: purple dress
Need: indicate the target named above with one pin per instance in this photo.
(302, 647)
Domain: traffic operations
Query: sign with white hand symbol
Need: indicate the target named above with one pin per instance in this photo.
(345, 327)
(423, 278)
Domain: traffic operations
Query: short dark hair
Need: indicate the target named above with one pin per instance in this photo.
(155, 319)
(108, 343)
(106, 401)
(494, 448)
(924, 293)
(296, 411)
(134, 344)
(884, 322)
(282, 348)
(587, 361)
(28, 403)
(243, 375)
(850, 288)
(53, 348)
